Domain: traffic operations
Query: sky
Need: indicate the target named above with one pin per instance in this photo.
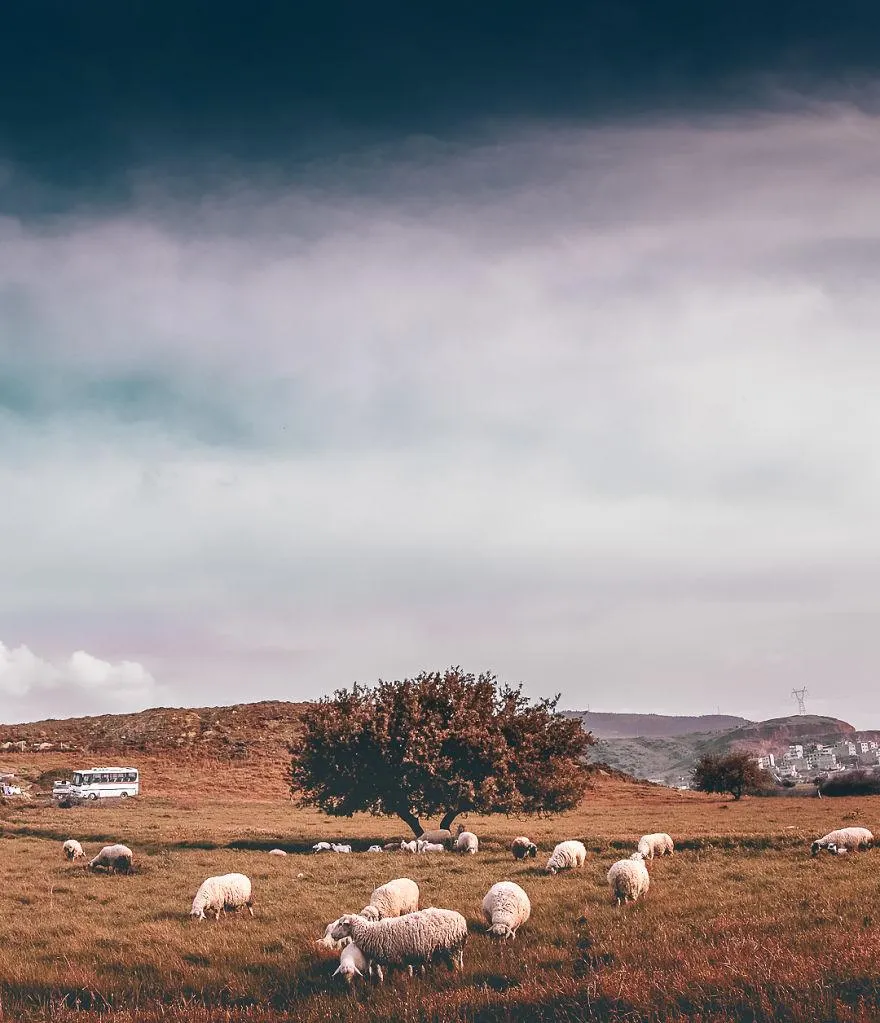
(344, 344)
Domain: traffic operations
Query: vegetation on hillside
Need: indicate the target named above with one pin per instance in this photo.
(440, 744)
(731, 773)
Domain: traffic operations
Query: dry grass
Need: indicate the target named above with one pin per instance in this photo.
(740, 925)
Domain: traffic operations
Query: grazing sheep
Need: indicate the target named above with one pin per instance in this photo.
(628, 879)
(409, 847)
(659, 844)
(394, 898)
(412, 940)
(375, 849)
(353, 963)
(322, 847)
(523, 847)
(391, 846)
(506, 907)
(566, 856)
(277, 852)
(340, 848)
(327, 942)
(218, 894)
(429, 847)
(441, 835)
(847, 839)
(115, 859)
(467, 842)
(73, 850)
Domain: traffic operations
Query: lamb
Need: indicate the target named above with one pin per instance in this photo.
(392, 846)
(394, 898)
(441, 835)
(430, 847)
(467, 842)
(506, 907)
(628, 879)
(523, 847)
(375, 849)
(73, 850)
(411, 940)
(659, 844)
(353, 963)
(217, 894)
(277, 852)
(340, 848)
(115, 859)
(321, 847)
(566, 856)
(844, 839)
(409, 847)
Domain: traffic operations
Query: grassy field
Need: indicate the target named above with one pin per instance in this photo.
(741, 924)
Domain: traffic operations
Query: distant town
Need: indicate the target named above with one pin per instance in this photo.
(802, 760)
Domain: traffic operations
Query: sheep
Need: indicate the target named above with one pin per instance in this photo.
(430, 847)
(566, 856)
(73, 850)
(523, 847)
(327, 942)
(353, 963)
(409, 847)
(394, 898)
(412, 940)
(659, 844)
(277, 852)
(848, 839)
(506, 907)
(467, 842)
(321, 847)
(441, 835)
(628, 879)
(375, 849)
(392, 846)
(217, 894)
(340, 848)
(115, 859)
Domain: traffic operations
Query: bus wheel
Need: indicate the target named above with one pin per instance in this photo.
(93, 795)
(123, 795)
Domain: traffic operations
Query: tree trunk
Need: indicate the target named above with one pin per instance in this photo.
(448, 818)
(411, 821)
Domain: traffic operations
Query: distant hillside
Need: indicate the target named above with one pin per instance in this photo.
(239, 732)
(626, 726)
(672, 758)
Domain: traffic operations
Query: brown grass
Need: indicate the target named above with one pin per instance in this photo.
(740, 925)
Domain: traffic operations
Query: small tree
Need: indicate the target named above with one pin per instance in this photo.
(439, 744)
(733, 773)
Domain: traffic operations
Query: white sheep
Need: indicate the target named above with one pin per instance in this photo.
(375, 849)
(409, 847)
(467, 842)
(846, 839)
(412, 940)
(115, 859)
(340, 848)
(429, 847)
(628, 879)
(218, 894)
(659, 844)
(566, 856)
(522, 847)
(353, 963)
(277, 852)
(322, 847)
(394, 898)
(73, 850)
(441, 835)
(506, 907)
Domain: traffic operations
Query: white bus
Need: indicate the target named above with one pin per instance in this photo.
(105, 781)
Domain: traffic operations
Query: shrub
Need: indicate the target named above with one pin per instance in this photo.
(734, 773)
(851, 783)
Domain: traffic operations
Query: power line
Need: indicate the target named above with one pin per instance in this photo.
(799, 695)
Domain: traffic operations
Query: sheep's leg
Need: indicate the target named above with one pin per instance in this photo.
(219, 911)
(250, 908)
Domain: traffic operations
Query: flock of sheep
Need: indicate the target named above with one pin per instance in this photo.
(392, 932)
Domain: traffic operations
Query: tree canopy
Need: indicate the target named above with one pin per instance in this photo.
(733, 773)
(439, 744)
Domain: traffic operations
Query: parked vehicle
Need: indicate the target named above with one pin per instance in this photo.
(100, 782)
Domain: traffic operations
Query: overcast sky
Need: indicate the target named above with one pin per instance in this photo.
(545, 344)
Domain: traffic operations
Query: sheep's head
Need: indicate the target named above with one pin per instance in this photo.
(814, 848)
(348, 972)
(501, 931)
(460, 829)
(532, 850)
(639, 857)
(341, 928)
(551, 869)
(328, 941)
(198, 912)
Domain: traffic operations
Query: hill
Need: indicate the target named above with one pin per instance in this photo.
(609, 725)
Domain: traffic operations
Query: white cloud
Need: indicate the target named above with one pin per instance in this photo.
(593, 407)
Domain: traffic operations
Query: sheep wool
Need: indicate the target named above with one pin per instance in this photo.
(409, 847)
(321, 847)
(115, 859)
(659, 844)
(352, 963)
(522, 847)
(506, 907)
(394, 898)
(429, 847)
(467, 842)
(566, 856)
(412, 940)
(73, 850)
(628, 879)
(277, 852)
(375, 849)
(340, 848)
(218, 894)
(844, 839)
(443, 836)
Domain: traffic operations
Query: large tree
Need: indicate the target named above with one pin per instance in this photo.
(439, 744)
(733, 773)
